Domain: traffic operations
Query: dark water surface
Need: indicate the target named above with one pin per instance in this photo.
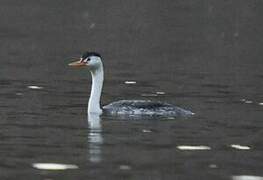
(205, 55)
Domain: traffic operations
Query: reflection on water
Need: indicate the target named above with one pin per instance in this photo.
(213, 166)
(149, 95)
(130, 82)
(125, 167)
(146, 131)
(247, 177)
(34, 87)
(241, 147)
(160, 93)
(193, 148)
(54, 166)
(95, 139)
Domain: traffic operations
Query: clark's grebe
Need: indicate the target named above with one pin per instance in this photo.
(92, 61)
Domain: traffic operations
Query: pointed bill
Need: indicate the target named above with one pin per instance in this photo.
(77, 64)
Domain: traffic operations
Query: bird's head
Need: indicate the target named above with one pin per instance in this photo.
(92, 60)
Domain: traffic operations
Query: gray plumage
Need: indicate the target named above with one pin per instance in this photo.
(145, 107)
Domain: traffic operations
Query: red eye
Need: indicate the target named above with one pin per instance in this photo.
(85, 60)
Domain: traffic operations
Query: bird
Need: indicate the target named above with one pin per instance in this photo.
(93, 62)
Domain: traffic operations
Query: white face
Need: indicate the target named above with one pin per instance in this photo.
(93, 62)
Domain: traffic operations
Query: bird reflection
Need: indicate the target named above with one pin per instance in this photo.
(95, 139)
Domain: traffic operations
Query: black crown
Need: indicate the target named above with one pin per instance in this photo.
(88, 54)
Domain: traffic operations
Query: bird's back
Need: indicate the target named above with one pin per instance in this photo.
(144, 107)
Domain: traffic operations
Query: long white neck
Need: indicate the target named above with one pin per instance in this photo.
(97, 83)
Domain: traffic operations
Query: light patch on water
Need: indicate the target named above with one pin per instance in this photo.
(237, 146)
(92, 25)
(246, 101)
(213, 166)
(125, 167)
(54, 166)
(130, 82)
(160, 92)
(86, 14)
(34, 87)
(193, 148)
(171, 118)
(146, 131)
(19, 94)
(247, 177)
(261, 103)
(236, 34)
(149, 95)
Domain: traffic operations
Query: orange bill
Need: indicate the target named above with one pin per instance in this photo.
(77, 64)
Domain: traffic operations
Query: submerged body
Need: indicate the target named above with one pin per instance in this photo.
(93, 61)
(144, 107)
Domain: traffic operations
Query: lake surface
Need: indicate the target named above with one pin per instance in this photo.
(202, 55)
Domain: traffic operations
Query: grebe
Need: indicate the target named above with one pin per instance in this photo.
(93, 62)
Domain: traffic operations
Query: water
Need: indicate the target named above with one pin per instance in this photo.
(204, 56)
